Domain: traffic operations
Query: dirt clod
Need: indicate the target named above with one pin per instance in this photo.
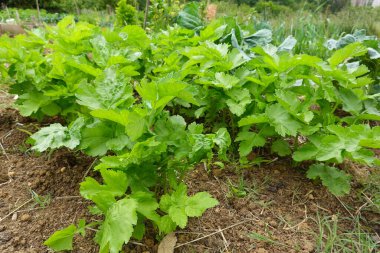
(5, 237)
(308, 246)
(14, 216)
(25, 217)
(261, 250)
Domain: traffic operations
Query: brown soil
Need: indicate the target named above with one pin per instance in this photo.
(275, 201)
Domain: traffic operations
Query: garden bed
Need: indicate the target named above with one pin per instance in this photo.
(272, 208)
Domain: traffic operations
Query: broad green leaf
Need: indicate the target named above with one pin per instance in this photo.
(146, 205)
(178, 215)
(190, 17)
(238, 100)
(225, 81)
(117, 227)
(134, 123)
(159, 93)
(306, 152)
(363, 156)
(62, 239)
(223, 140)
(115, 183)
(351, 103)
(86, 68)
(139, 229)
(370, 143)
(120, 117)
(288, 44)
(213, 31)
(351, 50)
(282, 121)
(351, 136)
(95, 137)
(248, 140)
(329, 147)
(281, 147)
(109, 90)
(336, 181)
(166, 225)
(196, 205)
(53, 137)
(30, 102)
(253, 119)
(179, 207)
(135, 36)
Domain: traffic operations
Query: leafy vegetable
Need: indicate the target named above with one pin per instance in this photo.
(336, 181)
(153, 106)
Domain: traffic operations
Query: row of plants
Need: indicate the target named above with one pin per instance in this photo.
(160, 14)
(152, 107)
(30, 15)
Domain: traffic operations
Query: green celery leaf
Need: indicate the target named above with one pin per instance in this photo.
(238, 100)
(53, 137)
(62, 239)
(117, 227)
(282, 121)
(147, 205)
(253, 119)
(351, 103)
(115, 183)
(213, 31)
(223, 140)
(178, 215)
(281, 147)
(95, 137)
(135, 36)
(336, 181)
(248, 140)
(225, 81)
(196, 205)
(306, 152)
(166, 225)
(179, 207)
(201, 146)
(351, 50)
(134, 122)
(329, 147)
(139, 229)
(31, 102)
(364, 156)
(109, 90)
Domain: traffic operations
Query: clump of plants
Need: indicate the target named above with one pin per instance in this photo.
(126, 14)
(151, 108)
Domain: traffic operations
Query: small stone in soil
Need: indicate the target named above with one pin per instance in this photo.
(273, 223)
(308, 246)
(25, 217)
(14, 216)
(261, 250)
(5, 237)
